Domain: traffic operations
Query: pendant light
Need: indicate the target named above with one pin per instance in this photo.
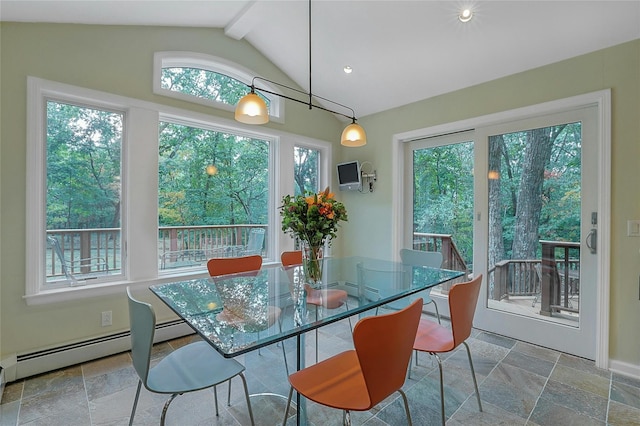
(252, 109)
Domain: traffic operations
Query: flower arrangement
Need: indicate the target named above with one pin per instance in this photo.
(313, 218)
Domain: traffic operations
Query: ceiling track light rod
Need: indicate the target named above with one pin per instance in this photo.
(309, 103)
(252, 109)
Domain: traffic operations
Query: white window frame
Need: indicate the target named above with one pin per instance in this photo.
(273, 220)
(214, 64)
(39, 93)
(139, 174)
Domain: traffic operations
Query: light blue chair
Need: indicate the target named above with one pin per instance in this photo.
(190, 368)
(255, 242)
(432, 259)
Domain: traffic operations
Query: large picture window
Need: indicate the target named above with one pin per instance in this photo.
(213, 195)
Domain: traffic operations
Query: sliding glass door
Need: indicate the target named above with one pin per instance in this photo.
(518, 203)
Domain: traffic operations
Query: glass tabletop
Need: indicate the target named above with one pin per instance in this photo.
(242, 312)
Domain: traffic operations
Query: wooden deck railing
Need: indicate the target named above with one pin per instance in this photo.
(79, 244)
(554, 280)
(451, 257)
(192, 244)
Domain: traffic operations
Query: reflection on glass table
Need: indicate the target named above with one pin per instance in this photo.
(239, 313)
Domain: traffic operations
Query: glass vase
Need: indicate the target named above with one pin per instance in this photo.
(312, 262)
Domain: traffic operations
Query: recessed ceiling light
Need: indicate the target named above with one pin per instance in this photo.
(465, 15)
(347, 69)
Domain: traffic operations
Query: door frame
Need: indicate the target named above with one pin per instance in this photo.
(602, 100)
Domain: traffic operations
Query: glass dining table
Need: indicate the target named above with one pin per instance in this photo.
(240, 313)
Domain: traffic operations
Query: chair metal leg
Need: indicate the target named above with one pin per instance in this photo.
(435, 305)
(135, 402)
(441, 389)
(166, 407)
(346, 305)
(406, 407)
(284, 355)
(317, 335)
(346, 418)
(246, 395)
(286, 410)
(473, 374)
(215, 399)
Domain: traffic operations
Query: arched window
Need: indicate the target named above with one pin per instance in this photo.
(208, 80)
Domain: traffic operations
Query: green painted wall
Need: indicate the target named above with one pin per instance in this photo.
(617, 68)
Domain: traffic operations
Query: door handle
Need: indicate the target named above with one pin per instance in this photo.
(592, 240)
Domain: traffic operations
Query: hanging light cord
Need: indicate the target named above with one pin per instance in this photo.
(310, 91)
(311, 95)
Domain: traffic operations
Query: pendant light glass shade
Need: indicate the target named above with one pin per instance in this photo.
(353, 135)
(252, 110)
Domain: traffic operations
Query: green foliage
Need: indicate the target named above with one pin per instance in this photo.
(237, 193)
(305, 170)
(443, 193)
(83, 167)
(559, 217)
(444, 185)
(206, 84)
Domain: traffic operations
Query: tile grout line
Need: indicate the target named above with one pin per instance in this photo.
(606, 417)
(546, 382)
(86, 393)
(486, 377)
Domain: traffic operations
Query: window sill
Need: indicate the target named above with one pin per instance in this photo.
(66, 294)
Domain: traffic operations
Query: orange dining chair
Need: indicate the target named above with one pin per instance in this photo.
(232, 265)
(327, 298)
(433, 338)
(359, 379)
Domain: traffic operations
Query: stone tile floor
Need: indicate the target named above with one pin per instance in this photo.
(520, 384)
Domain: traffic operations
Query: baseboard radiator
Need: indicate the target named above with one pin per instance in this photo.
(64, 356)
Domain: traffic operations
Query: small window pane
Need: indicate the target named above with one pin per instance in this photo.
(83, 201)
(306, 170)
(205, 84)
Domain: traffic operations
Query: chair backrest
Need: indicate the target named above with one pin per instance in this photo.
(232, 265)
(142, 321)
(255, 241)
(55, 244)
(462, 307)
(432, 259)
(384, 344)
(289, 258)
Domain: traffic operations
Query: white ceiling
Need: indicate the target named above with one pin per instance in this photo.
(400, 51)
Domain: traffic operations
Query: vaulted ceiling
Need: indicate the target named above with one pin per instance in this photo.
(400, 51)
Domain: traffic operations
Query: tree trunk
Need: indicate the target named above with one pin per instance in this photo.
(496, 240)
(536, 157)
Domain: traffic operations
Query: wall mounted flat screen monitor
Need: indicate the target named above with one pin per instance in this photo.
(349, 178)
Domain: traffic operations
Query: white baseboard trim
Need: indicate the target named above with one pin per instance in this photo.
(52, 359)
(624, 368)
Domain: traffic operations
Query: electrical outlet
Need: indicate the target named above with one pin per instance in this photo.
(106, 318)
(633, 228)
